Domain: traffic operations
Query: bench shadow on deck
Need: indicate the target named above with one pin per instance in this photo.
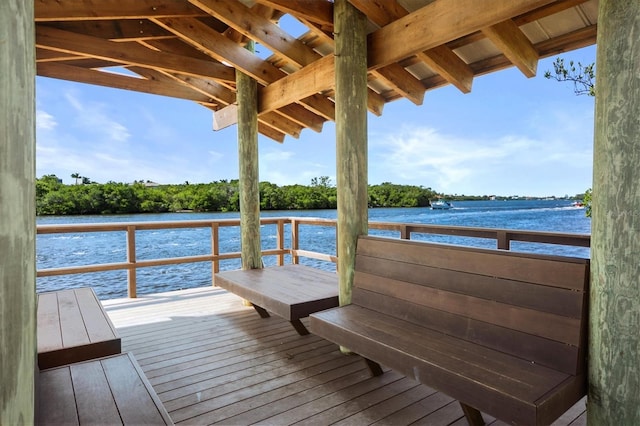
(212, 360)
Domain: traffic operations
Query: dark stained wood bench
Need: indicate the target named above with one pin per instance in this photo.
(111, 390)
(291, 291)
(502, 332)
(73, 326)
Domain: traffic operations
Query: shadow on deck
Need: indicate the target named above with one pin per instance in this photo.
(213, 360)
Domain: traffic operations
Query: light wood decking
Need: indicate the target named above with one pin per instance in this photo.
(212, 360)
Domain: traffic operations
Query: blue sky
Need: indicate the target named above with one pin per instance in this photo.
(509, 136)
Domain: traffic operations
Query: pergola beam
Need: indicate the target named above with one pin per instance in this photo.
(438, 23)
(80, 10)
(79, 44)
(258, 28)
(449, 65)
(107, 79)
(318, 12)
(508, 38)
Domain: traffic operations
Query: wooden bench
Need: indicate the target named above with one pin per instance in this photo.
(502, 332)
(111, 390)
(73, 326)
(291, 291)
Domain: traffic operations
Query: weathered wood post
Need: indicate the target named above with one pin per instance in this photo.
(351, 137)
(247, 97)
(17, 213)
(614, 347)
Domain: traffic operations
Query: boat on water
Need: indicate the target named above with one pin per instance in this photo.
(441, 205)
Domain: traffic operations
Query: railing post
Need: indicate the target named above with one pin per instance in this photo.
(503, 240)
(215, 252)
(280, 241)
(404, 233)
(295, 242)
(131, 259)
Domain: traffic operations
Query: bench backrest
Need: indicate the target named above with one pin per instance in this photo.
(531, 306)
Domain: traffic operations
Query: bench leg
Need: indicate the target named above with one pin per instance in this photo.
(374, 367)
(474, 417)
(261, 311)
(299, 326)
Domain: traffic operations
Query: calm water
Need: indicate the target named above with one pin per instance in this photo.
(91, 248)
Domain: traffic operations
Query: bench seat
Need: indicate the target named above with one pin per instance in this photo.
(110, 390)
(502, 332)
(465, 371)
(290, 292)
(73, 326)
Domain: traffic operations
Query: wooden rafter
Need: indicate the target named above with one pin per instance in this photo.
(514, 45)
(438, 23)
(318, 12)
(191, 49)
(82, 10)
(107, 79)
(79, 44)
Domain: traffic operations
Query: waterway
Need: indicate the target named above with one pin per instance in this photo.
(58, 250)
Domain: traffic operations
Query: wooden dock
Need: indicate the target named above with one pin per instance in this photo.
(213, 360)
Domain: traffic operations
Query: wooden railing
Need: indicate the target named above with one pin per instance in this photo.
(502, 237)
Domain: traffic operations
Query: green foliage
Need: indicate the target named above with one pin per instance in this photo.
(54, 198)
(582, 76)
(587, 202)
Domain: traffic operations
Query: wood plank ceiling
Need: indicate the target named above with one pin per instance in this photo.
(188, 49)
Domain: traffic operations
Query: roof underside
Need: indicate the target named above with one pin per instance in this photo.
(188, 49)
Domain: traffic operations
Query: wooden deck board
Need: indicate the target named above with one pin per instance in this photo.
(212, 360)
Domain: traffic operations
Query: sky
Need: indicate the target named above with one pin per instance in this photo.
(510, 136)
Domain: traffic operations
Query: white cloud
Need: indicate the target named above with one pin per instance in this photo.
(507, 164)
(92, 118)
(45, 121)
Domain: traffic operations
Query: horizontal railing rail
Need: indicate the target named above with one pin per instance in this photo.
(502, 237)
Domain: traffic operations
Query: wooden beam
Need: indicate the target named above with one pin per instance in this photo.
(225, 117)
(427, 28)
(319, 12)
(271, 133)
(449, 65)
(302, 116)
(115, 30)
(221, 48)
(221, 94)
(82, 10)
(320, 105)
(380, 12)
(383, 12)
(508, 38)
(106, 79)
(259, 29)
(65, 41)
(312, 79)
(439, 22)
(403, 82)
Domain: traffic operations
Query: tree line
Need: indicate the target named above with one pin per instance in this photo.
(55, 198)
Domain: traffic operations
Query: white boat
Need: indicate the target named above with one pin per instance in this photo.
(441, 205)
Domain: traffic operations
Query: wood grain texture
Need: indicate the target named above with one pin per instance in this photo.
(470, 322)
(110, 390)
(291, 291)
(213, 360)
(73, 327)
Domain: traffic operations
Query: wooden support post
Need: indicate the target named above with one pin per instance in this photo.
(132, 272)
(247, 96)
(17, 213)
(351, 138)
(614, 341)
